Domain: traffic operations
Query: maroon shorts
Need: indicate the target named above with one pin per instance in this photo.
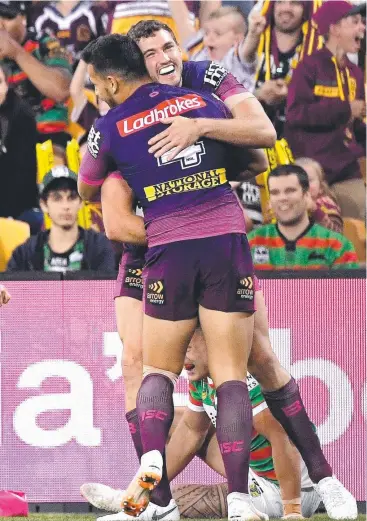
(216, 273)
(129, 281)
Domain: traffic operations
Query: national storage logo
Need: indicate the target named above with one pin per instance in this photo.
(165, 109)
(189, 183)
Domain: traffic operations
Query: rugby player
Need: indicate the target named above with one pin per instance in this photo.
(4, 295)
(274, 462)
(280, 390)
(189, 271)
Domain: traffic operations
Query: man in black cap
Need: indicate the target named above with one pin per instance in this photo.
(65, 246)
(40, 71)
(326, 105)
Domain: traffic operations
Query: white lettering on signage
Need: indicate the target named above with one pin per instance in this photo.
(79, 402)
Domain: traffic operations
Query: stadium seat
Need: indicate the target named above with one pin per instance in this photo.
(12, 234)
(355, 231)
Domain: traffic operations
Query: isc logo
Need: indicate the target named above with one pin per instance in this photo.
(151, 414)
(231, 446)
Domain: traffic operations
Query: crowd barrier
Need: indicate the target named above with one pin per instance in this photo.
(61, 394)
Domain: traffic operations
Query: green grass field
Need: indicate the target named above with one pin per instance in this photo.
(90, 517)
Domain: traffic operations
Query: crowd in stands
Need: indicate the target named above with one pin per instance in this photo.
(306, 64)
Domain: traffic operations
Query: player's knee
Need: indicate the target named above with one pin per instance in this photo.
(132, 363)
(148, 370)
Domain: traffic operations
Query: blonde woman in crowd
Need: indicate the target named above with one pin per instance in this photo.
(324, 209)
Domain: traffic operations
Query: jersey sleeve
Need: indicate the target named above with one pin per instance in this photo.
(195, 399)
(230, 86)
(210, 77)
(96, 161)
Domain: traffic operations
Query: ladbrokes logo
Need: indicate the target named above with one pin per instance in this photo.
(155, 292)
(245, 288)
(133, 278)
(166, 109)
(189, 183)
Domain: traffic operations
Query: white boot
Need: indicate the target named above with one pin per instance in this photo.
(241, 508)
(339, 502)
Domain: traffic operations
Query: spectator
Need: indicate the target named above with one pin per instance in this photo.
(223, 37)
(18, 165)
(296, 242)
(65, 247)
(279, 39)
(326, 106)
(323, 208)
(73, 23)
(40, 73)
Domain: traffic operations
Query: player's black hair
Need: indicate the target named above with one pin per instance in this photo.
(289, 170)
(62, 183)
(115, 54)
(148, 28)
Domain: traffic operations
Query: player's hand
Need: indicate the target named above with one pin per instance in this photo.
(8, 46)
(181, 133)
(273, 92)
(4, 295)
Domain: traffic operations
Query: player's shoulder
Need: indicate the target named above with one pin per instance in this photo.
(320, 231)
(203, 75)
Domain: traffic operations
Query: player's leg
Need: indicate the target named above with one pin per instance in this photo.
(283, 398)
(169, 323)
(129, 320)
(265, 495)
(226, 317)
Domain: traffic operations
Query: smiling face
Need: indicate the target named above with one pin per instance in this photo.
(349, 33)
(288, 200)
(196, 360)
(163, 58)
(220, 35)
(288, 16)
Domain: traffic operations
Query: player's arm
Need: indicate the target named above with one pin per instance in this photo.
(186, 440)
(285, 455)
(4, 295)
(249, 127)
(119, 218)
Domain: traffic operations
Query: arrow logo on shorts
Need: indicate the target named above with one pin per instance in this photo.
(247, 282)
(156, 286)
(156, 517)
(136, 272)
